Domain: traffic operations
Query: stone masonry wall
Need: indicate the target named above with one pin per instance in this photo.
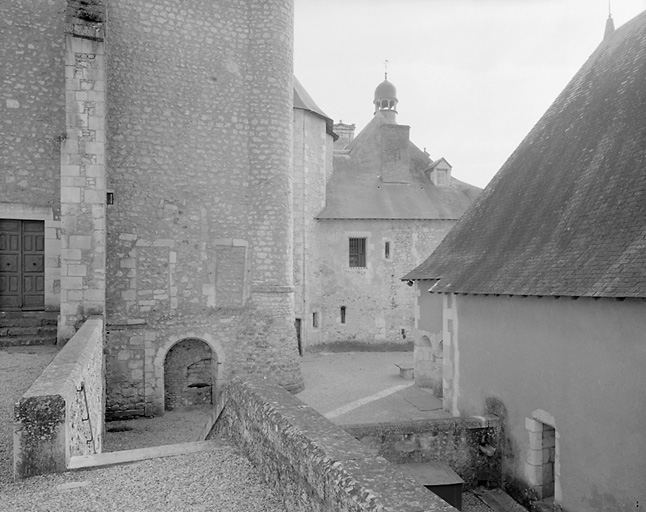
(32, 122)
(313, 464)
(199, 243)
(62, 414)
(469, 445)
(380, 308)
(32, 101)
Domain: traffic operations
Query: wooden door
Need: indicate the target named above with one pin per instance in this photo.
(22, 264)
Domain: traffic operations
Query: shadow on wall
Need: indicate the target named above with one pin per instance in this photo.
(190, 374)
(514, 486)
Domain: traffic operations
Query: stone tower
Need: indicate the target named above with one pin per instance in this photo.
(164, 182)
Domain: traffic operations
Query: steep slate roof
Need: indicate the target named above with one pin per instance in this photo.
(303, 101)
(566, 214)
(356, 191)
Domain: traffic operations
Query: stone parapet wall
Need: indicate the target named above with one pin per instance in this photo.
(313, 464)
(468, 445)
(62, 414)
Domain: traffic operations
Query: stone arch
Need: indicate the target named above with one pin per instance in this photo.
(438, 367)
(423, 355)
(218, 365)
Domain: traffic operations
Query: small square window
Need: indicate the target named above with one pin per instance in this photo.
(357, 251)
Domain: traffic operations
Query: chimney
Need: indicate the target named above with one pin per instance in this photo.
(345, 133)
(395, 153)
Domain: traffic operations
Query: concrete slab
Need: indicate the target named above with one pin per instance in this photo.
(422, 399)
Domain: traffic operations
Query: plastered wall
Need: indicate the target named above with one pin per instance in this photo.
(574, 365)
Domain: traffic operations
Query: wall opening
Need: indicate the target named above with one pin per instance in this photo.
(190, 374)
(342, 314)
(299, 327)
(315, 320)
(387, 250)
(542, 467)
(357, 252)
(549, 456)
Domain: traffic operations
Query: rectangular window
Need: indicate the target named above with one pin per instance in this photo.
(342, 314)
(387, 250)
(357, 252)
(315, 320)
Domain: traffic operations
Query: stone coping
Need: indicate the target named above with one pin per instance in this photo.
(66, 369)
(321, 459)
(418, 426)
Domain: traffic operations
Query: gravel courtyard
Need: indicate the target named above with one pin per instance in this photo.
(221, 480)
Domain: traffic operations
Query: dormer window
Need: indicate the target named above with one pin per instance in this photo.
(439, 173)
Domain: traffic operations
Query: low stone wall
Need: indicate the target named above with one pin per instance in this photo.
(62, 414)
(468, 445)
(313, 464)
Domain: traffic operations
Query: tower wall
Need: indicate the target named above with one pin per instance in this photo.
(199, 138)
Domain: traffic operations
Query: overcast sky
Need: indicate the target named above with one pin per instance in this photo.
(472, 76)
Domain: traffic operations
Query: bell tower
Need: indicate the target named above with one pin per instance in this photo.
(386, 99)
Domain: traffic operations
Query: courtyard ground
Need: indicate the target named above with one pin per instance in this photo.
(356, 387)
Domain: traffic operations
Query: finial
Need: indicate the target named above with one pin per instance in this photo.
(386, 69)
(610, 24)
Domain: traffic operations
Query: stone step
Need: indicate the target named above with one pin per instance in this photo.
(25, 319)
(126, 456)
(21, 331)
(19, 341)
(498, 500)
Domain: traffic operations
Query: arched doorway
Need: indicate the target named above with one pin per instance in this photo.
(190, 374)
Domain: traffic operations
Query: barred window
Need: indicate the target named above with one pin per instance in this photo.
(357, 252)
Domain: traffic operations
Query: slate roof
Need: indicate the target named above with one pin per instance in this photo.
(566, 214)
(356, 191)
(303, 101)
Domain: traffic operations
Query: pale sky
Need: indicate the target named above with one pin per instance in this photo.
(472, 76)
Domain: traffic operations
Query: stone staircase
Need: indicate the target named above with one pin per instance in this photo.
(28, 328)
